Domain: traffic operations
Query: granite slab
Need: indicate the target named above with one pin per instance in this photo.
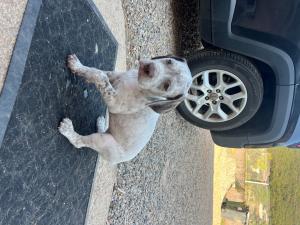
(43, 179)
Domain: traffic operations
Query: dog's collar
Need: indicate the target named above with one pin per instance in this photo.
(156, 98)
(180, 59)
(159, 98)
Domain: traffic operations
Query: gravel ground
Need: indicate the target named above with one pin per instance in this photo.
(170, 181)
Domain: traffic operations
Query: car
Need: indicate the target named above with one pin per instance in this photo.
(246, 79)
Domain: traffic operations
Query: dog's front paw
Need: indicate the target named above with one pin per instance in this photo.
(73, 63)
(102, 124)
(66, 128)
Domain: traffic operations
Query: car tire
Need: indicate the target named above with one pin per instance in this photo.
(212, 69)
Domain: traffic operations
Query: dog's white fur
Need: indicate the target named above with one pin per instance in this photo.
(134, 99)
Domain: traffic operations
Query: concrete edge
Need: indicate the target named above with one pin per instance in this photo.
(17, 64)
(11, 12)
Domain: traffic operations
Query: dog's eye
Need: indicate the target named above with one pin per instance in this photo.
(169, 61)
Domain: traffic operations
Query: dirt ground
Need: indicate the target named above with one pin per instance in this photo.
(170, 181)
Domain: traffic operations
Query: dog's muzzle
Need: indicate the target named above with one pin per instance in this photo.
(146, 70)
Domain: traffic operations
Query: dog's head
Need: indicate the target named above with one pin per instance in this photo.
(166, 80)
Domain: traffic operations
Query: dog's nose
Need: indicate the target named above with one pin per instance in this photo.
(147, 69)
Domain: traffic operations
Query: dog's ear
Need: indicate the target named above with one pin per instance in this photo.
(163, 106)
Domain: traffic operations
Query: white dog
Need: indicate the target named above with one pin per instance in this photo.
(134, 99)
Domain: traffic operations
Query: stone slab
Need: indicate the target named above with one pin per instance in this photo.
(43, 179)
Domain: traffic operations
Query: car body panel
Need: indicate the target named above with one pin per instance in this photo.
(294, 139)
(276, 24)
(277, 128)
(205, 21)
(291, 137)
(223, 37)
(236, 26)
(280, 119)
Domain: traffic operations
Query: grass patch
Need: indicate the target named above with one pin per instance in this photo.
(284, 188)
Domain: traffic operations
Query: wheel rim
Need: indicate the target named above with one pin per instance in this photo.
(216, 96)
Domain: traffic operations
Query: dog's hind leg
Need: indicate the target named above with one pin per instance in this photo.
(103, 143)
